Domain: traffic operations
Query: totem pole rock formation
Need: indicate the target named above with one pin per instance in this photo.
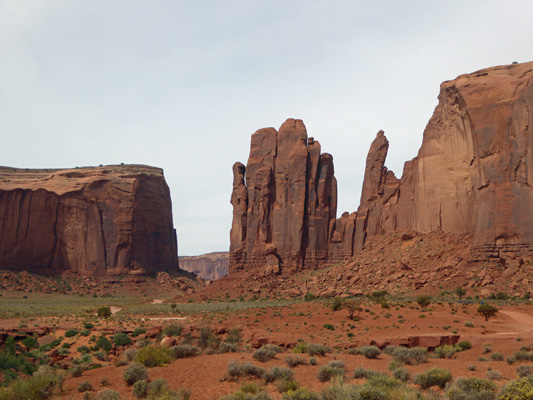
(473, 176)
(109, 220)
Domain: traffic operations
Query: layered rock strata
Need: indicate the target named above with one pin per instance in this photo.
(473, 176)
(107, 220)
(210, 266)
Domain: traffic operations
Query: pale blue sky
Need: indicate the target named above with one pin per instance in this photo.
(183, 84)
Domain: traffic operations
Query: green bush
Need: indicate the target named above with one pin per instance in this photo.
(464, 345)
(71, 332)
(370, 352)
(402, 374)
(423, 301)
(184, 351)
(278, 373)
(433, 377)
(40, 386)
(138, 331)
(284, 385)
(412, 356)
(233, 336)
(104, 312)
(140, 388)
(327, 372)
(266, 353)
(172, 330)
(523, 355)
(520, 389)
(337, 304)
(294, 361)
(312, 349)
(88, 325)
(121, 339)
(103, 343)
(471, 389)
(153, 356)
(300, 394)
(488, 311)
(84, 386)
(30, 342)
(339, 391)
(107, 394)
(446, 351)
(135, 372)
(362, 372)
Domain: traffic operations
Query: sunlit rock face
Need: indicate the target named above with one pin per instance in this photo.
(109, 220)
(472, 176)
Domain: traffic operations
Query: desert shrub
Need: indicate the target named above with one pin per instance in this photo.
(402, 374)
(138, 331)
(471, 367)
(233, 336)
(104, 312)
(99, 355)
(77, 370)
(284, 385)
(172, 330)
(84, 349)
(519, 389)
(107, 394)
(71, 332)
(362, 372)
(464, 345)
(39, 387)
(278, 373)
(236, 370)
(526, 348)
(294, 361)
(207, 338)
(523, 356)
(140, 388)
(367, 351)
(121, 339)
(469, 324)
(493, 375)
(354, 308)
(510, 359)
(88, 325)
(300, 394)
(471, 389)
(412, 356)
(326, 372)
(153, 356)
(84, 387)
(337, 303)
(30, 342)
(339, 391)
(103, 343)
(423, 301)
(135, 372)
(497, 356)
(433, 377)
(184, 351)
(487, 310)
(240, 395)
(312, 361)
(446, 351)
(524, 370)
(266, 352)
(226, 347)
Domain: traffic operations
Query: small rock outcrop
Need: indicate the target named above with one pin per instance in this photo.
(473, 176)
(109, 220)
(210, 266)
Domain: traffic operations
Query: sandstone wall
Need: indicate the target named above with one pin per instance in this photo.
(92, 221)
(210, 266)
(472, 176)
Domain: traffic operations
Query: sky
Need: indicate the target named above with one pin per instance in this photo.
(182, 85)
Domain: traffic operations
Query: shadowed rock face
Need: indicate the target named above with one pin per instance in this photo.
(93, 221)
(473, 176)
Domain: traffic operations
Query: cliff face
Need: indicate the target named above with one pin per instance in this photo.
(93, 221)
(284, 201)
(473, 176)
(210, 266)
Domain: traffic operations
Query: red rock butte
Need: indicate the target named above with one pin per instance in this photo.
(473, 176)
(109, 220)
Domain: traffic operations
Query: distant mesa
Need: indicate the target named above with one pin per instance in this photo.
(209, 267)
(109, 220)
(473, 176)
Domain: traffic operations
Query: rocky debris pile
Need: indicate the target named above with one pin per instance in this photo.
(398, 263)
(109, 220)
